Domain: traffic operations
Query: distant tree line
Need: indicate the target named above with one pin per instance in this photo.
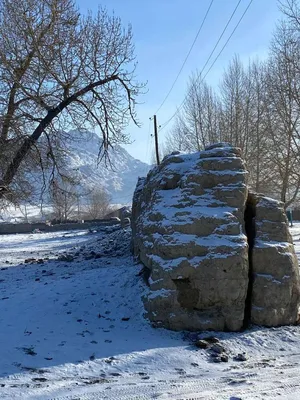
(257, 108)
(70, 201)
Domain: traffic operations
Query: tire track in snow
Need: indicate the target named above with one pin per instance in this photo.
(151, 388)
(246, 386)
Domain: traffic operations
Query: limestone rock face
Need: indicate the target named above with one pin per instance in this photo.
(194, 226)
(188, 217)
(275, 293)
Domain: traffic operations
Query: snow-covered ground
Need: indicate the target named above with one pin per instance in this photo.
(71, 327)
(31, 213)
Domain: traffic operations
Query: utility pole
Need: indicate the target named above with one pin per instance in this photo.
(156, 140)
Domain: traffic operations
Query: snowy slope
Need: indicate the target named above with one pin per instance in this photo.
(119, 177)
(72, 328)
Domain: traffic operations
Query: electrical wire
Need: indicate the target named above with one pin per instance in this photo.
(187, 56)
(215, 60)
(220, 37)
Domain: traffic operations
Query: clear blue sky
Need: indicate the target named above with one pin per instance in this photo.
(163, 33)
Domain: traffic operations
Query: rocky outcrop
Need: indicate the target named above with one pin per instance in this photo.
(188, 230)
(194, 229)
(275, 271)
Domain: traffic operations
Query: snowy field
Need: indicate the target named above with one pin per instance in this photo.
(72, 328)
(28, 213)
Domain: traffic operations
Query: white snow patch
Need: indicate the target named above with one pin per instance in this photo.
(75, 330)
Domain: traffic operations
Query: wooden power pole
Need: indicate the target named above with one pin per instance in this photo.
(156, 140)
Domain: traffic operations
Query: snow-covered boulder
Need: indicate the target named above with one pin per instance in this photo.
(188, 230)
(193, 227)
(275, 292)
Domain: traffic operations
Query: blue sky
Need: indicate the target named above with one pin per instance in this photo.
(163, 33)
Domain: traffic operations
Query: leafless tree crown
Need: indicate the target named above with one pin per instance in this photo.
(60, 69)
(257, 108)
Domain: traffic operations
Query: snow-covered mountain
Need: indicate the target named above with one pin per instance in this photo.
(118, 176)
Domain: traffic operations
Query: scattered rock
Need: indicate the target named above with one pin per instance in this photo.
(240, 357)
(217, 359)
(94, 381)
(66, 257)
(202, 344)
(224, 357)
(217, 348)
(29, 260)
(211, 339)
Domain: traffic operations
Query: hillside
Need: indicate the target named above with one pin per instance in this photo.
(118, 177)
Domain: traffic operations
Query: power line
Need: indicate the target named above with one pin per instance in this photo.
(232, 33)
(186, 58)
(222, 34)
(215, 60)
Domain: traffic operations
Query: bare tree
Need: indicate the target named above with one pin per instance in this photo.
(198, 124)
(177, 138)
(99, 202)
(256, 108)
(63, 199)
(283, 85)
(235, 100)
(58, 70)
(257, 137)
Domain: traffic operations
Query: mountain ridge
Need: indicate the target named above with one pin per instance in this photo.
(118, 176)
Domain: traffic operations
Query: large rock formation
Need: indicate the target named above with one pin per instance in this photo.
(190, 217)
(275, 292)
